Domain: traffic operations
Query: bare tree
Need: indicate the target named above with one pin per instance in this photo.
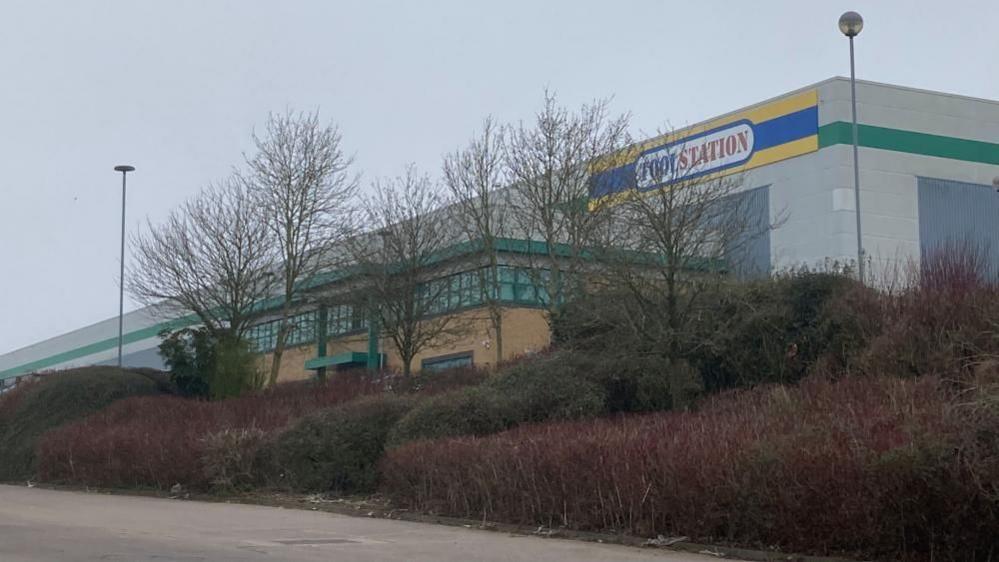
(211, 257)
(674, 229)
(404, 264)
(548, 166)
(474, 177)
(299, 176)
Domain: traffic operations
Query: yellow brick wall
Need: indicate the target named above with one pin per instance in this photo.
(292, 363)
(525, 330)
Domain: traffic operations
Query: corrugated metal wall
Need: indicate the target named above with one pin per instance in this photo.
(751, 256)
(959, 214)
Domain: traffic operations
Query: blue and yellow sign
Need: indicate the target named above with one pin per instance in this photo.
(749, 139)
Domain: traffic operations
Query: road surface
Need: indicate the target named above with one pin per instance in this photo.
(54, 526)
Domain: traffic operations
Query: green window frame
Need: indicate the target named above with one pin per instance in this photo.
(447, 294)
(517, 286)
(302, 329)
(344, 319)
(263, 337)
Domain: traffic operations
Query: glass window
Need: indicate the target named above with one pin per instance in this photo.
(433, 296)
(359, 319)
(447, 362)
(345, 318)
(339, 319)
(471, 292)
(302, 328)
(487, 284)
(507, 274)
(263, 337)
(452, 292)
(516, 284)
(507, 278)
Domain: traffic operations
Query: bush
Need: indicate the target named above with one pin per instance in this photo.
(939, 326)
(467, 411)
(871, 467)
(187, 356)
(527, 391)
(157, 442)
(627, 382)
(202, 364)
(434, 382)
(235, 369)
(636, 383)
(333, 450)
(228, 458)
(735, 335)
(847, 324)
(27, 412)
(772, 331)
(547, 390)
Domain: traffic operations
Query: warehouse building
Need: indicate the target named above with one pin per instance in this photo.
(928, 162)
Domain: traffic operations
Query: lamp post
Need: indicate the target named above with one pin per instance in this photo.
(851, 24)
(124, 169)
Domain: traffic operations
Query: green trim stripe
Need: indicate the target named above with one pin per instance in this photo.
(897, 140)
(98, 346)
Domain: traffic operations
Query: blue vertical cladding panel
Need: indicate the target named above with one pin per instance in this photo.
(959, 213)
(751, 256)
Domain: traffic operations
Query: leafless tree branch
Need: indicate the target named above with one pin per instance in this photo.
(548, 167)
(474, 177)
(211, 257)
(299, 176)
(402, 262)
(677, 231)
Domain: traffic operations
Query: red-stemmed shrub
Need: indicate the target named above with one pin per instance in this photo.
(943, 322)
(434, 382)
(32, 408)
(159, 441)
(882, 467)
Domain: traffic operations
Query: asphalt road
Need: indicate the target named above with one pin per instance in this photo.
(54, 526)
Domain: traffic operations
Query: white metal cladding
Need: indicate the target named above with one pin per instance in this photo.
(90, 345)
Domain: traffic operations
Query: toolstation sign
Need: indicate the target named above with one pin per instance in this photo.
(708, 152)
(754, 137)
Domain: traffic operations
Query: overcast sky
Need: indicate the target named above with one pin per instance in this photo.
(175, 89)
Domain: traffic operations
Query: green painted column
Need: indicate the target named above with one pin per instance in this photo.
(321, 339)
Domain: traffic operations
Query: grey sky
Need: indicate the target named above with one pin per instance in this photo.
(175, 89)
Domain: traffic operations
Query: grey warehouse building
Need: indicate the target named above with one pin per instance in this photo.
(927, 161)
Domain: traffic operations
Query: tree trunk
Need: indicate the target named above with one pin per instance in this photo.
(498, 329)
(676, 375)
(278, 352)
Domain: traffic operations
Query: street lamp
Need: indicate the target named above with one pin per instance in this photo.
(124, 169)
(851, 24)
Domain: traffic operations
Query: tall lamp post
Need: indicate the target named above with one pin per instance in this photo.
(851, 24)
(124, 169)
